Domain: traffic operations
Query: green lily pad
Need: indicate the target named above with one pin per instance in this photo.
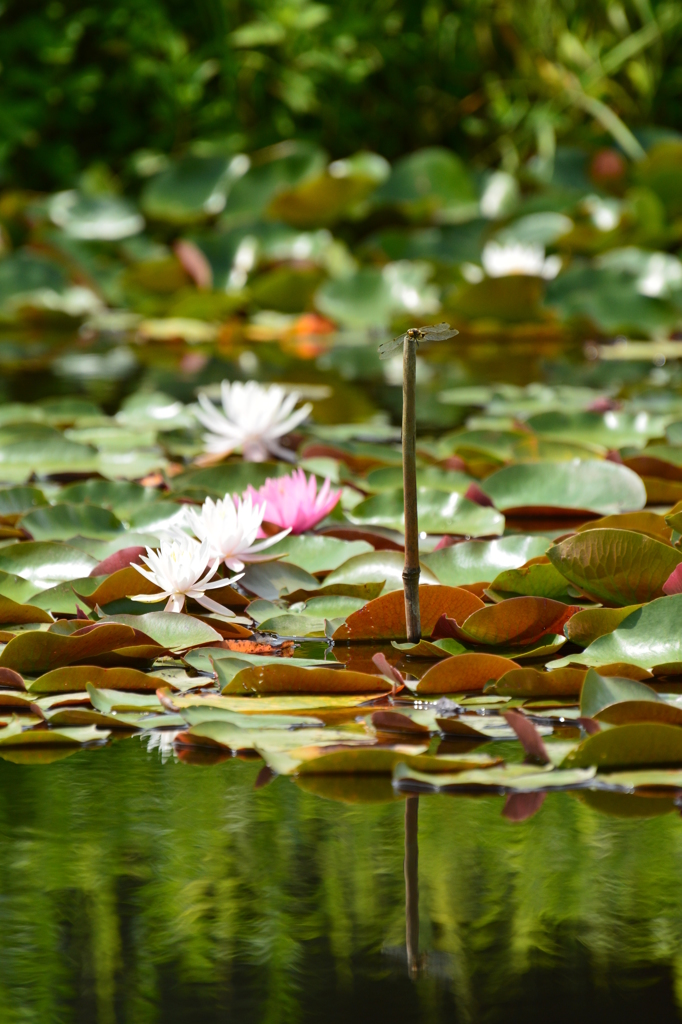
(617, 567)
(555, 487)
(601, 430)
(45, 563)
(431, 182)
(317, 553)
(599, 692)
(541, 580)
(16, 501)
(439, 512)
(121, 496)
(641, 743)
(390, 478)
(271, 580)
(171, 630)
(649, 638)
(376, 567)
(60, 522)
(479, 561)
(46, 455)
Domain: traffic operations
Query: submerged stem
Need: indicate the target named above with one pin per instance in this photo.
(411, 568)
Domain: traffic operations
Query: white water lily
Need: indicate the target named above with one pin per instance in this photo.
(253, 419)
(526, 259)
(230, 528)
(183, 568)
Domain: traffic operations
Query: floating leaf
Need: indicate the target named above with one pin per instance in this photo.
(606, 430)
(480, 561)
(315, 552)
(288, 678)
(532, 682)
(431, 182)
(601, 692)
(293, 625)
(519, 620)
(649, 638)
(646, 743)
(589, 623)
(45, 563)
(463, 672)
(439, 512)
(171, 630)
(645, 522)
(313, 760)
(37, 652)
(271, 580)
(390, 478)
(15, 735)
(384, 618)
(549, 488)
(617, 567)
(542, 580)
(12, 612)
(17, 501)
(75, 678)
(384, 567)
(60, 522)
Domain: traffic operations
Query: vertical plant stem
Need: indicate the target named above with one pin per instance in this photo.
(411, 567)
(412, 883)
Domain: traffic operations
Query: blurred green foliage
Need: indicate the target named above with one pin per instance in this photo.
(117, 82)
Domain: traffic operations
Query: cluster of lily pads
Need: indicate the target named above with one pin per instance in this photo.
(551, 588)
(256, 241)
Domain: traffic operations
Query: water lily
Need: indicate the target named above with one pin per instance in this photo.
(294, 501)
(519, 258)
(182, 568)
(230, 528)
(252, 420)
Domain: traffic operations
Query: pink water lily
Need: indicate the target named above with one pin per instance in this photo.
(294, 501)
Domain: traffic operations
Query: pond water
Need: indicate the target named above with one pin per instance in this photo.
(141, 885)
(134, 887)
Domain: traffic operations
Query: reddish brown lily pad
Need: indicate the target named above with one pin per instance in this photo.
(384, 618)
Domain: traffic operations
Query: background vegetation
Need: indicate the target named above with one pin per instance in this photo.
(85, 84)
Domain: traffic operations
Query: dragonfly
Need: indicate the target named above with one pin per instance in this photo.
(436, 332)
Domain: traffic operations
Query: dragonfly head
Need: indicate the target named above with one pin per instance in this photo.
(414, 334)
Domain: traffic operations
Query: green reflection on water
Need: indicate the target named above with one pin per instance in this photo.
(132, 890)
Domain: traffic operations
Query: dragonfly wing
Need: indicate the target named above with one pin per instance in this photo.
(387, 347)
(439, 331)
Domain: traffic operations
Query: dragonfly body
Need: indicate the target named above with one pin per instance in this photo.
(435, 332)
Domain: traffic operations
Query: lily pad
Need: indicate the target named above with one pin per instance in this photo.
(589, 623)
(540, 580)
(316, 552)
(384, 618)
(649, 638)
(60, 522)
(377, 567)
(617, 567)
(45, 563)
(479, 561)
(288, 678)
(11, 611)
(551, 488)
(463, 672)
(37, 652)
(646, 743)
(519, 620)
(171, 630)
(600, 692)
(439, 512)
(75, 678)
